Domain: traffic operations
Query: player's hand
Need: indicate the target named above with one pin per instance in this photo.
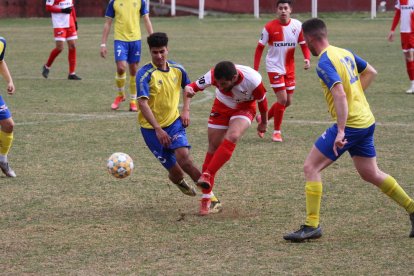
(163, 137)
(391, 36)
(340, 142)
(189, 91)
(185, 117)
(76, 25)
(307, 64)
(67, 10)
(10, 88)
(104, 51)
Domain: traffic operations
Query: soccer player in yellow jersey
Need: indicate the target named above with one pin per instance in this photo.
(159, 85)
(126, 15)
(344, 76)
(6, 120)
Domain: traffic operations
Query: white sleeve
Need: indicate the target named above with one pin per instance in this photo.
(204, 81)
(264, 37)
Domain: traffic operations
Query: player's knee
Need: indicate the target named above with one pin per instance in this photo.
(7, 126)
(308, 170)
(59, 48)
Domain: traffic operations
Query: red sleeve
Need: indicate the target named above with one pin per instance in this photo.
(195, 87)
(259, 93)
(263, 105)
(303, 46)
(397, 17)
(73, 11)
(53, 8)
(305, 51)
(258, 56)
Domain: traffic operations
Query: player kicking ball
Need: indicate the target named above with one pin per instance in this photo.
(238, 88)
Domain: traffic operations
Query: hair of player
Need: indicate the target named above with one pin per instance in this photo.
(289, 2)
(315, 28)
(157, 40)
(225, 70)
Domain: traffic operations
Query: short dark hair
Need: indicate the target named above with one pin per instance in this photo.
(315, 27)
(284, 2)
(157, 40)
(225, 70)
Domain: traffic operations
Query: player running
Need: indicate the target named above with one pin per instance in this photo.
(159, 84)
(281, 35)
(6, 120)
(127, 44)
(404, 10)
(238, 88)
(344, 77)
(65, 28)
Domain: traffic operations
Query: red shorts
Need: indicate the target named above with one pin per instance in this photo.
(63, 34)
(281, 82)
(221, 115)
(407, 42)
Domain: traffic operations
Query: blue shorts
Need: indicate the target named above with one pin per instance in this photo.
(166, 156)
(360, 142)
(4, 110)
(127, 51)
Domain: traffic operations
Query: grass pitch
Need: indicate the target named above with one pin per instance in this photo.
(64, 214)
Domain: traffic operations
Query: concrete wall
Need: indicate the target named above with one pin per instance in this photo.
(36, 8)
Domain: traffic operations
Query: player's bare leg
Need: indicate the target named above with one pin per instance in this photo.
(176, 175)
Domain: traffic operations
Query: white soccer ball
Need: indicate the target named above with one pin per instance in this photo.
(120, 165)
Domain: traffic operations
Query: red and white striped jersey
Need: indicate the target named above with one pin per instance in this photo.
(407, 15)
(248, 89)
(282, 40)
(59, 19)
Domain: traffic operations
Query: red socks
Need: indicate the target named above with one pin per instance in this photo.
(72, 60)
(278, 112)
(218, 159)
(55, 52)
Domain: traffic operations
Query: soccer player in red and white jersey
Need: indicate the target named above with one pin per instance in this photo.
(238, 88)
(65, 28)
(404, 10)
(281, 35)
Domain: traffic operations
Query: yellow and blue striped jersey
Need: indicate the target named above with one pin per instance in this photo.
(2, 48)
(163, 90)
(126, 15)
(337, 65)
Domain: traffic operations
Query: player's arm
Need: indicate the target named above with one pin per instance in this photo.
(259, 93)
(397, 16)
(199, 85)
(341, 109)
(148, 24)
(367, 76)
(305, 51)
(105, 33)
(4, 71)
(144, 12)
(185, 112)
(264, 38)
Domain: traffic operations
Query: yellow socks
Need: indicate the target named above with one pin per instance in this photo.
(132, 88)
(313, 202)
(6, 140)
(391, 188)
(120, 83)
